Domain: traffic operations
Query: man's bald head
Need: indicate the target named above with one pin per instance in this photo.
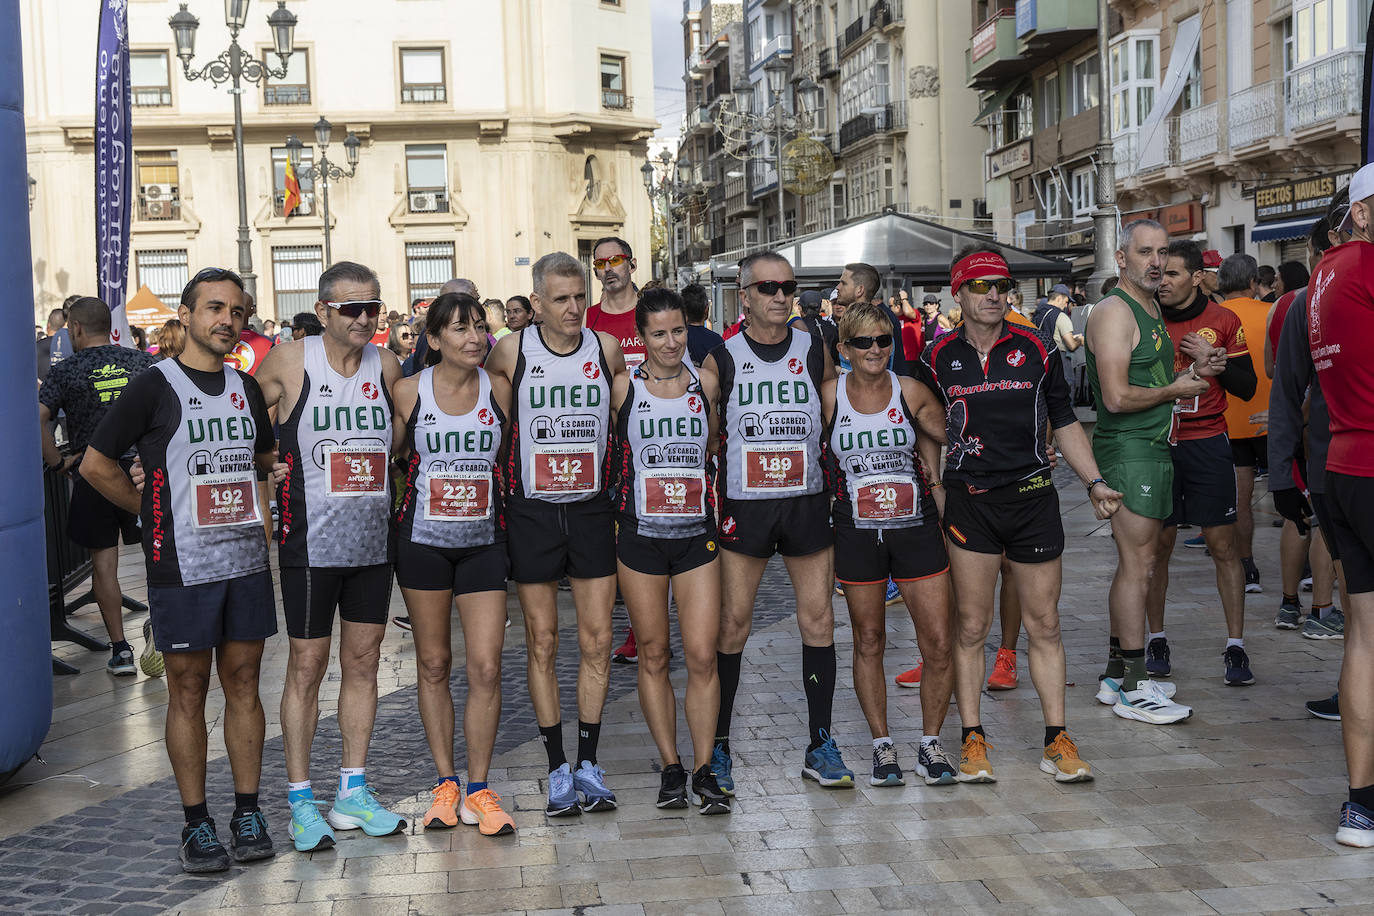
(460, 285)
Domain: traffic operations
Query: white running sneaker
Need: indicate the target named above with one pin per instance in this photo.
(1109, 687)
(1149, 703)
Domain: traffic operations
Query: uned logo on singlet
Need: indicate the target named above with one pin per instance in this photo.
(370, 391)
(347, 419)
(485, 417)
(558, 396)
(671, 428)
(591, 370)
(694, 404)
(471, 441)
(220, 429)
(770, 392)
(874, 439)
(237, 400)
(894, 415)
(795, 366)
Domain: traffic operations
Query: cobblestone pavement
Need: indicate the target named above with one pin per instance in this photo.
(1231, 812)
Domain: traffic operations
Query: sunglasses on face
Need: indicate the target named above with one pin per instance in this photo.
(1002, 285)
(355, 308)
(771, 287)
(863, 343)
(614, 260)
(406, 336)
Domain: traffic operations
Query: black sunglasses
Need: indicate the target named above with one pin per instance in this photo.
(979, 287)
(771, 287)
(863, 343)
(354, 308)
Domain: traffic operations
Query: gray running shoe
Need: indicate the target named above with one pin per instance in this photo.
(1332, 626)
(1289, 617)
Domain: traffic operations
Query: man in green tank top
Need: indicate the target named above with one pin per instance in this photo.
(1130, 368)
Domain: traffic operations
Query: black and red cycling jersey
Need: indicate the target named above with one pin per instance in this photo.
(996, 416)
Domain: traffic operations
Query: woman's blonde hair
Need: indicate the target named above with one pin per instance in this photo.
(171, 339)
(860, 317)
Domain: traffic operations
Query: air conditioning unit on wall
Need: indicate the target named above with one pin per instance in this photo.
(424, 202)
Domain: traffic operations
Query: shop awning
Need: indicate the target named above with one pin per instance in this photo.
(998, 99)
(1281, 232)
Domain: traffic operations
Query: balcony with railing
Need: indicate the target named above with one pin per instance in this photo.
(1254, 115)
(1323, 91)
(827, 62)
(159, 202)
(852, 33)
(891, 117)
(285, 95)
(778, 45)
(616, 99)
(698, 119)
(885, 13)
(151, 96)
(993, 56)
(1197, 133)
(694, 63)
(1125, 151)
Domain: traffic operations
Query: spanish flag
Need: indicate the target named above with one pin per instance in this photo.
(293, 191)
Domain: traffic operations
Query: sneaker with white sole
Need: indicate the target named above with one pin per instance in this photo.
(1356, 827)
(935, 765)
(1147, 703)
(1108, 689)
(886, 770)
(1330, 625)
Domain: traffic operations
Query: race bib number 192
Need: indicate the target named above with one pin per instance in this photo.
(225, 499)
(355, 471)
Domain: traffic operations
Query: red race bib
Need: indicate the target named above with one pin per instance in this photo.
(672, 494)
(884, 499)
(566, 469)
(456, 496)
(223, 500)
(351, 471)
(776, 469)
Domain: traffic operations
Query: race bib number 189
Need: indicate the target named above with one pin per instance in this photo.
(775, 469)
(225, 499)
(565, 469)
(355, 471)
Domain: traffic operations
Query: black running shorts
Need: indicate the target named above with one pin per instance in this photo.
(1027, 529)
(310, 595)
(1321, 520)
(1350, 501)
(1204, 483)
(551, 540)
(96, 523)
(663, 556)
(869, 556)
(1250, 453)
(795, 526)
(192, 618)
(462, 570)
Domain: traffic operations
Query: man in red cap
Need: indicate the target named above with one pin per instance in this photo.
(998, 382)
(1211, 263)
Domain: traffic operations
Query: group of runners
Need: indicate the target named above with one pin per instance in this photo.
(619, 461)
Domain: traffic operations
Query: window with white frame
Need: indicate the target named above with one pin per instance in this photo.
(1322, 27)
(1084, 89)
(1047, 189)
(164, 272)
(613, 93)
(427, 177)
(1082, 191)
(294, 87)
(864, 81)
(429, 265)
(149, 79)
(422, 75)
(1133, 65)
(296, 273)
(1048, 101)
(1192, 88)
(159, 192)
(307, 184)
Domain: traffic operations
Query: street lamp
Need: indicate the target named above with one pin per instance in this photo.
(739, 126)
(673, 190)
(233, 65)
(324, 171)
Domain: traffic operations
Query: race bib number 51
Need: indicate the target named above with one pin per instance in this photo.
(775, 469)
(672, 494)
(566, 469)
(458, 497)
(355, 471)
(884, 499)
(225, 499)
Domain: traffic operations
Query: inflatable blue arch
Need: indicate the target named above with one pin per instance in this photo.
(25, 648)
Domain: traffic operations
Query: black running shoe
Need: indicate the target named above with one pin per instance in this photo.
(404, 622)
(1252, 577)
(248, 837)
(201, 850)
(1237, 667)
(672, 787)
(708, 793)
(1157, 657)
(1329, 709)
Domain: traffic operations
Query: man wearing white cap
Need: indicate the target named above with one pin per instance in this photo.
(1340, 322)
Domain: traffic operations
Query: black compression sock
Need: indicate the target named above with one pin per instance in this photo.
(1363, 796)
(245, 802)
(818, 678)
(552, 736)
(1134, 660)
(195, 814)
(970, 730)
(1116, 668)
(727, 666)
(1052, 732)
(588, 734)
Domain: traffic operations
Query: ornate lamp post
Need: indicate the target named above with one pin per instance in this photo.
(233, 65)
(673, 190)
(741, 125)
(324, 171)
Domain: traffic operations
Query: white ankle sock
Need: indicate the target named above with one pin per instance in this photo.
(879, 742)
(1235, 642)
(1153, 636)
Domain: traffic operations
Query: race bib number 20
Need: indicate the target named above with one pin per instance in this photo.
(884, 499)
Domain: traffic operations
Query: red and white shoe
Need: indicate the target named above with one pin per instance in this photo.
(1003, 675)
(628, 653)
(910, 678)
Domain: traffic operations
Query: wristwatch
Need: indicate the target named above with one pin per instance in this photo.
(1094, 482)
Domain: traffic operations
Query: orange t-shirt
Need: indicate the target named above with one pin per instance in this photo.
(1252, 314)
(1015, 317)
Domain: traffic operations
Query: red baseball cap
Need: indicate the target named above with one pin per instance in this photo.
(1211, 259)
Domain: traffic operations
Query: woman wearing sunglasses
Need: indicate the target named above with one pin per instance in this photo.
(451, 422)
(665, 429)
(401, 340)
(881, 429)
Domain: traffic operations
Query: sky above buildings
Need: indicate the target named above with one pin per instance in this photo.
(668, 90)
